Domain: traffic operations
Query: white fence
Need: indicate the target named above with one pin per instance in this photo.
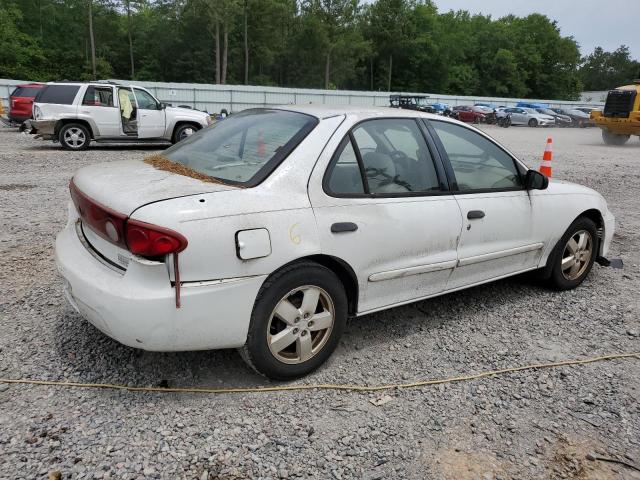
(233, 98)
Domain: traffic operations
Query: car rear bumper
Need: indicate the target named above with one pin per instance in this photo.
(18, 118)
(137, 307)
(43, 127)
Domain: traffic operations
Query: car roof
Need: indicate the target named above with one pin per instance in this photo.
(326, 111)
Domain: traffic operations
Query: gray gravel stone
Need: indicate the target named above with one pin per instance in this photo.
(531, 424)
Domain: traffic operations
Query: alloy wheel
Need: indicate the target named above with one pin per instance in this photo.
(74, 137)
(186, 132)
(301, 324)
(577, 255)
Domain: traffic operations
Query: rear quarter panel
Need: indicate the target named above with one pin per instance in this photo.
(279, 204)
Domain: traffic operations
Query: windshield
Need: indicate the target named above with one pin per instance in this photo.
(245, 147)
(546, 111)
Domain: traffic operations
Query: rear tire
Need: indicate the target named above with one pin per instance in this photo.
(610, 138)
(533, 123)
(74, 136)
(296, 323)
(574, 255)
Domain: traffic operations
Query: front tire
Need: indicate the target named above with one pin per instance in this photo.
(610, 138)
(574, 255)
(74, 136)
(182, 132)
(296, 323)
(533, 123)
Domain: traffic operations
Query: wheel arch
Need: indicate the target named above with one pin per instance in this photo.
(180, 123)
(65, 121)
(341, 269)
(596, 217)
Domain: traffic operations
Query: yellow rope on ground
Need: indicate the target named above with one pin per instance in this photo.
(325, 386)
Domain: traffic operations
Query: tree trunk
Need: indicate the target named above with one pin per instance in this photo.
(133, 68)
(223, 80)
(246, 45)
(92, 40)
(327, 69)
(217, 39)
(390, 68)
(371, 68)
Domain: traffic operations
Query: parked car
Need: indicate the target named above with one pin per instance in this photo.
(529, 116)
(21, 102)
(578, 117)
(75, 114)
(411, 102)
(468, 114)
(442, 109)
(267, 230)
(533, 105)
(561, 120)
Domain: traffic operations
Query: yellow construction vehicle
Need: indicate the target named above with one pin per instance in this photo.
(621, 115)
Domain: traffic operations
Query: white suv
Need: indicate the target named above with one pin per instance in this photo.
(74, 114)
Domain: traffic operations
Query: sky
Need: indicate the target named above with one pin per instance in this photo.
(593, 23)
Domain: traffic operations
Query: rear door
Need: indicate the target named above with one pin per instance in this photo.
(382, 205)
(499, 235)
(151, 117)
(98, 106)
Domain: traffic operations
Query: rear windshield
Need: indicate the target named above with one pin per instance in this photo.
(58, 94)
(245, 147)
(25, 92)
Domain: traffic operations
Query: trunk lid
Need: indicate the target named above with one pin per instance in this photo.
(125, 186)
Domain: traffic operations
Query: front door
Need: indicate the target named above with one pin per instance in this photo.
(499, 236)
(151, 117)
(381, 203)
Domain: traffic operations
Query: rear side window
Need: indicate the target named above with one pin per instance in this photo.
(98, 97)
(392, 154)
(28, 92)
(244, 148)
(58, 94)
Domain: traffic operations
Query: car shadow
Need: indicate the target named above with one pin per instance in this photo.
(88, 355)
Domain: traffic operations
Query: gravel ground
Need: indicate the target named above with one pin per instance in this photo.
(532, 424)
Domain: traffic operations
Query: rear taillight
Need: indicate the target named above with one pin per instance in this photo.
(150, 240)
(106, 222)
(140, 238)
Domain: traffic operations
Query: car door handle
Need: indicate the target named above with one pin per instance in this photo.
(475, 214)
(341, 227)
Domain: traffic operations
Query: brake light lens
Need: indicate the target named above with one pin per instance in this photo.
(150, 240)
(106, 222)
(138, 237)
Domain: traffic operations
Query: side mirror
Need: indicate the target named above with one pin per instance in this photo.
(162, 106)
(534, 180)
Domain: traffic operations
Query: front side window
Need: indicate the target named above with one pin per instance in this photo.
(245, 147)
(392, 154)
(98, 97)
(478, 163)
(145, 100)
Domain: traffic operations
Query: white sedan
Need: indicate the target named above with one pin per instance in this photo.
(266, 231)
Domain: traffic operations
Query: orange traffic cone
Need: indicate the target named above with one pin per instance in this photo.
(545, 168)
(261, 145)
